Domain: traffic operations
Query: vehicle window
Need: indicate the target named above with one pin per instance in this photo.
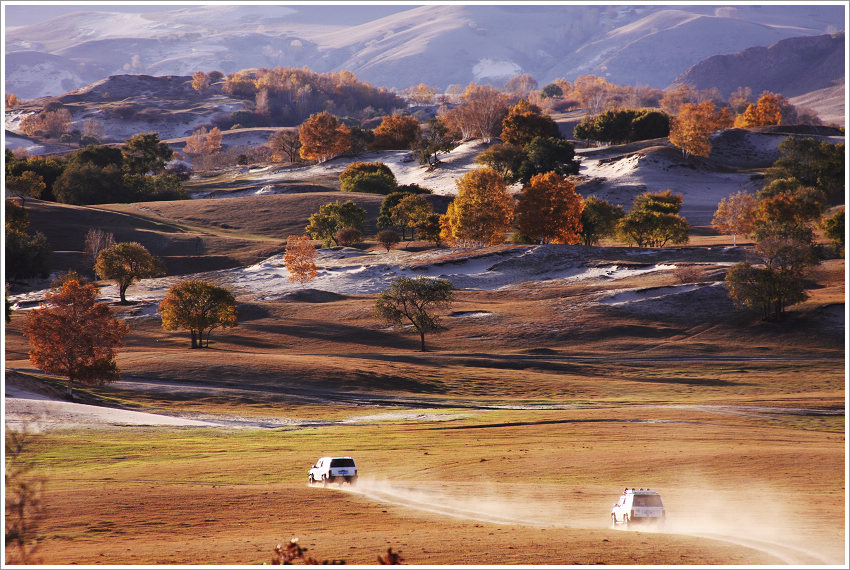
(647, 501)
(342, 462)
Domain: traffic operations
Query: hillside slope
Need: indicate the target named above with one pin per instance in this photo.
(439, 45)
(793, 66)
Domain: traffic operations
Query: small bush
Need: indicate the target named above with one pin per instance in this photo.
(388, 238)
(348, 236)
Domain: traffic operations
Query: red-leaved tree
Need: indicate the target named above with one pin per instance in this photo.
(73, 335)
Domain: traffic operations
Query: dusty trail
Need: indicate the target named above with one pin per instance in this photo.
(500, 510)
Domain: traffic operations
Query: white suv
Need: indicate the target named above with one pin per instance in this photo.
(638, 506)
(331, 469)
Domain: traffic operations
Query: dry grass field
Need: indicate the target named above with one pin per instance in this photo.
(505, 443)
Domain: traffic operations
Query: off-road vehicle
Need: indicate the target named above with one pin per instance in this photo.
(333, 469)
(638, 506)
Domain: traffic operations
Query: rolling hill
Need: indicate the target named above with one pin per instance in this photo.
(439, 45)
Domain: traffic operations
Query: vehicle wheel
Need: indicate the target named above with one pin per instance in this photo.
(626, 521)
(352, 481)
(613, 521)
(310, 480)
(324, 481)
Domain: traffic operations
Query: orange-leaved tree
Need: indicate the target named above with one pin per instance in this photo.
(481, 212)
(766, 111)
(692, 127)
(549, 210)
(323, 137)
(126, 262)
(200, 81)
(198, 307)
(396, 132)
(73, 335)
(300, 258)
(736, 215)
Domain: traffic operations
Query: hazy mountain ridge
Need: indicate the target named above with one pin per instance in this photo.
(792, 66)
(437, 45)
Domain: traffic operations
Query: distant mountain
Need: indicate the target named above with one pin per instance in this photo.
(792, 66)
(398, 46)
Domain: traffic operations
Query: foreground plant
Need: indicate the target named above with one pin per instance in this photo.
(23, 508)
(73, 335)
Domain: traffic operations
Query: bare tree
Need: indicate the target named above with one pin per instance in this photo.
(96, 241)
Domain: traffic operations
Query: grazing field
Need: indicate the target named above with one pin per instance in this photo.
(563, 375)
(505, 443)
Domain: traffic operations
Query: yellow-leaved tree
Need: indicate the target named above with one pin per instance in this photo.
(766, 111)
(481, 213)
(300, 258)
(198, 307)
(693, 126)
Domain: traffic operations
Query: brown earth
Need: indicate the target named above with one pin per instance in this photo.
(505, 443)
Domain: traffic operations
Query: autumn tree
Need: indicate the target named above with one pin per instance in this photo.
(654, 221)
(421, 94)
(300, 259)
(198, 307)
(481, 212)
(11, 100)
(285, 143)
(524, 122)
(324, 224)
(549, 210)
(765, 112)
(415, 301)
(736, 215)
(323, 137)
(396, 132)
(592, 92)
(598, 220)
(412, 212)
(126, 262)
(693, 125)
(73, 335)
(200, 81)
(203, 142)
(348, 236)
(143, 153)
(789, 214)
(479, 114)
(521, 84)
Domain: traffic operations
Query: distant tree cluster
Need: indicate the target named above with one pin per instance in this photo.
(98, 174)
(533, 145)
(782, 218)
(285, 96)
(623, 126)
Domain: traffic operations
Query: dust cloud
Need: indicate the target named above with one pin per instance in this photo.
(750, 516)
(485, 503)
